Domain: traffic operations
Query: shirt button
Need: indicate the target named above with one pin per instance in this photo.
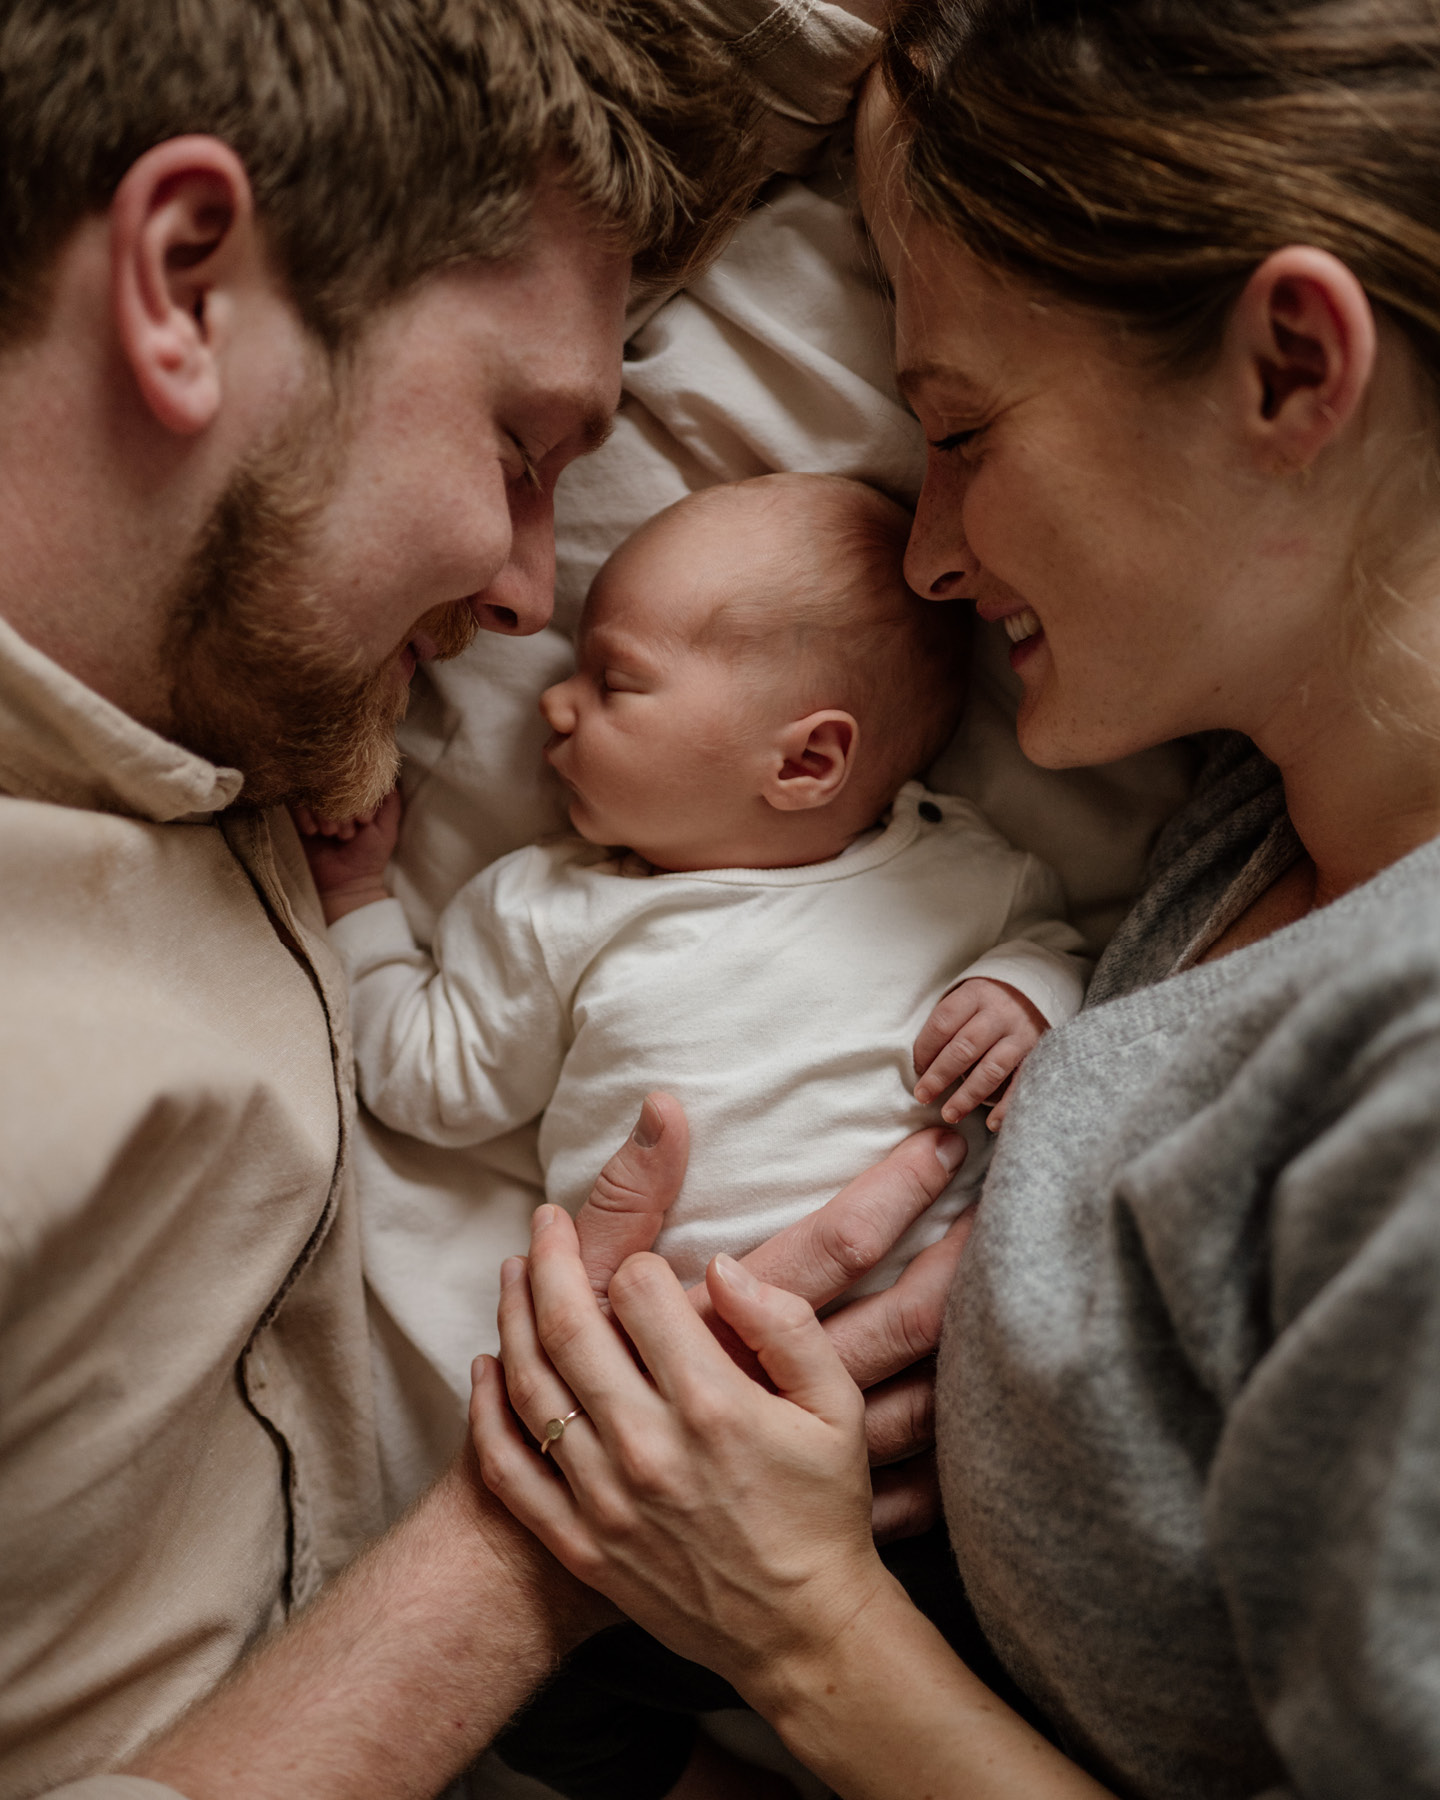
(930, 812)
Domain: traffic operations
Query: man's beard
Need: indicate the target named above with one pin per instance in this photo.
(263, 679)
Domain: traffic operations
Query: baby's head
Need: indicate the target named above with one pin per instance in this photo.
(755, 680)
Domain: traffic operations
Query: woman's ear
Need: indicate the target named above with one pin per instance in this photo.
(1302, 339)
(813, 761)
(183, 242)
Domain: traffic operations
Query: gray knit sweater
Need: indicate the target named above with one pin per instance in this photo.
(1190, 1383)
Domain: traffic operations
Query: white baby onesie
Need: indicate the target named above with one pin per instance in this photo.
(778, 1005)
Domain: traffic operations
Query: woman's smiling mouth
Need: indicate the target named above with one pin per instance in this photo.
(1021, 625)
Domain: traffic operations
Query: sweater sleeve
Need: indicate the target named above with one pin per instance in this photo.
(463, 1047)
(1323, 1508)
(1038, 952)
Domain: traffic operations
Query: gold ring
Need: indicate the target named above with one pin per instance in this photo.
(555, 1429)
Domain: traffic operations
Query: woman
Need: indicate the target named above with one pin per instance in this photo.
(1168, 295)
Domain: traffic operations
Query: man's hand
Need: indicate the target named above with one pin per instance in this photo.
(348, 857)
(984, 1027)
(886, 1340)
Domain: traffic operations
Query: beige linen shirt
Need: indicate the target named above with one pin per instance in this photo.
(186, 1442)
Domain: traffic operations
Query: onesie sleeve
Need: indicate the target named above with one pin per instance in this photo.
(1322, 1507)
(464, 1046)
(1039, 952)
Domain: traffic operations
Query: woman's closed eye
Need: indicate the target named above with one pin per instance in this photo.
(956, 440)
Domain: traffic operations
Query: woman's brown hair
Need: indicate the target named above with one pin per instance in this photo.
(1142, 157)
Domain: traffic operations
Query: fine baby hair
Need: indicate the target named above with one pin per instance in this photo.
(835, 621)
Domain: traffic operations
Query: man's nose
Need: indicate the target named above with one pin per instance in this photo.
(521, 598)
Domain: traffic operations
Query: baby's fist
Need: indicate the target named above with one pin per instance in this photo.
(982, 1030)
(348, 857)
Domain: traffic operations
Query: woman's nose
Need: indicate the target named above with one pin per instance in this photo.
(939, 563)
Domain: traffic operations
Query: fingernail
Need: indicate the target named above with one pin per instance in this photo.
(950, 1151)
(544, 1217)
(511, 1270)
(733, 1275)
(477, 1369)
(649, 1127)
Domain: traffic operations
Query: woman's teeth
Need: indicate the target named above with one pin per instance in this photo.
(1021, 625)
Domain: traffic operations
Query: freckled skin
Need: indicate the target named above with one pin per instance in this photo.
(1176, 589)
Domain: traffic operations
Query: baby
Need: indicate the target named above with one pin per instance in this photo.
(760, 911)
(755, 683)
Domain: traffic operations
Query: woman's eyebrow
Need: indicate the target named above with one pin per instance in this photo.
(954, 379)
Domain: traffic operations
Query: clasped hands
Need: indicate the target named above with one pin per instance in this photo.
(689, 1476)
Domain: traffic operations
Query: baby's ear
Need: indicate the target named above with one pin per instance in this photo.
(813, 760)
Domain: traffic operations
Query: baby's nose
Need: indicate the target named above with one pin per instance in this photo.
(557, 709)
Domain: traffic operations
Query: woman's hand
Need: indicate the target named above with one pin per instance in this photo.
(732, 1522)
(886, 1341)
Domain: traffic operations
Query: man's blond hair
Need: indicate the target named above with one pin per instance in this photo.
(384, 139)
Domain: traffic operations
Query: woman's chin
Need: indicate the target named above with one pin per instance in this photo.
(1054, 736)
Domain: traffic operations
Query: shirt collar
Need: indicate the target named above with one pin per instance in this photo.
(60, 741)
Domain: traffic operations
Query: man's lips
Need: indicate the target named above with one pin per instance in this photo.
(421, 648)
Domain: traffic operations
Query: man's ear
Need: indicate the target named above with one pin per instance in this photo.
(1302, 338)
(182, 238)
(813, 761)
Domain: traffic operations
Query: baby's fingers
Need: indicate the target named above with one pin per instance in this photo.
(950, 1063)
(958, 1008)
(995, 1067)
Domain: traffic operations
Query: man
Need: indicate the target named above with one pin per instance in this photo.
(304, 305)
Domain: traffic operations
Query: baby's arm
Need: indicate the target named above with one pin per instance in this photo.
(455, 1048)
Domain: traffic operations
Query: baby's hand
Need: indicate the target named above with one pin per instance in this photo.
(984, 1026)
(347, 857)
